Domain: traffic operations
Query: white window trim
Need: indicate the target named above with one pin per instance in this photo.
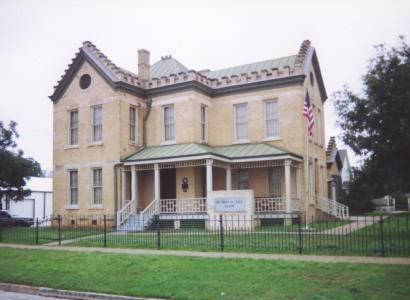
(92, 142)
(68, 204)
(206, 122)
(69, 145)
(163, 141)
(92, 205)
(135, 125)
(271, 138)
(245, 140)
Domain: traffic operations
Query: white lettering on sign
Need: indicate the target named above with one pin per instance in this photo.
(230, 204)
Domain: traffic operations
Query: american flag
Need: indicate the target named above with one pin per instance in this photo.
(308, 113)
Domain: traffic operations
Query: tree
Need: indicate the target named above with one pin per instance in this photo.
(376, 124)
(14, 167)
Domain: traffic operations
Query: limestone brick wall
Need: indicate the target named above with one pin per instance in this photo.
(87, 155)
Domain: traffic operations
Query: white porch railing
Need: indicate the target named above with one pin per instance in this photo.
(150, 210)
(270, 204)
(332, 207)
(183, 205)
(124, 213)
(275, 204)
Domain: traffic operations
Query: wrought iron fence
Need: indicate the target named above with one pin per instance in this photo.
(385, 235)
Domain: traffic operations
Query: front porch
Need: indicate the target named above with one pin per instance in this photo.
(177, 187)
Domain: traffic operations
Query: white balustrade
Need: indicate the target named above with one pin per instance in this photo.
(183, 205)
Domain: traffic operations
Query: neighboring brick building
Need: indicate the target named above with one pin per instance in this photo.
(159, 141)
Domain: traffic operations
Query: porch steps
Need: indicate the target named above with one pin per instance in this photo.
(136, 222)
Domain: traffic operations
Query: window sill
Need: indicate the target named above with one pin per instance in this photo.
(72, 207)
(100, 206)
(271, 139)
(168, 143)
(241, 141)
(96, 144)
(71, 147)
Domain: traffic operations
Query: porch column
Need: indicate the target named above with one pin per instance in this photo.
(157, 182)
(123, 188)
(298, 182)
(333, 184)
(228, 178)
(209, 177)
(134, 186)
(288, 186)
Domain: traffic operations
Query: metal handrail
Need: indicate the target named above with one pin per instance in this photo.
(334, 208)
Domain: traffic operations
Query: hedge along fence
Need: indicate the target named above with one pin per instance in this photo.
(384, 235)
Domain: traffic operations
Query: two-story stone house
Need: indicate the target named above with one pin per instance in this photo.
(158, 142)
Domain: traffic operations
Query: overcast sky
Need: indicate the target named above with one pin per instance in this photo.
(38, 39)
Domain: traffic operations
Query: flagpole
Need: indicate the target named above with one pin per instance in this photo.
(307, 176)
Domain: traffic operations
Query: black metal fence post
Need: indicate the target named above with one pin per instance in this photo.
(1, 230)
(300, 234)
(158, 232)
(105, 231)
(221, 231)
(382, 250)
(59, 229)
(37, 231)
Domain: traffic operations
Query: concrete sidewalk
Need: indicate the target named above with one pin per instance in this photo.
(288, 257)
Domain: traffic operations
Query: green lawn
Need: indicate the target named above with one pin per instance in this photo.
(202, 278)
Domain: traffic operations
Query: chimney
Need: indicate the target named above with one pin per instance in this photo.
(143, 64)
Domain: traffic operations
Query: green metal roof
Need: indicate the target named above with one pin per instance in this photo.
(170, 65)
(249, 68)
(194, 149)
(167, 66)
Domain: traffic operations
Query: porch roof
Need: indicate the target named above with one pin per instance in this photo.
(192, 150)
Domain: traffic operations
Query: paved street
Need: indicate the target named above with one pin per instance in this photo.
(19, 296)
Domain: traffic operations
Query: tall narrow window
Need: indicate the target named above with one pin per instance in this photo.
(73, 187)
(168, 123)
(272, 119)
(204, 122)
(319, 127)
(73, 131)
(96, 119)
(241, 122)
(274, 178)
(133, 124)
(97, 186)
(243, 179)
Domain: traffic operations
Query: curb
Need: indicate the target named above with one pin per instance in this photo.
(67, 294)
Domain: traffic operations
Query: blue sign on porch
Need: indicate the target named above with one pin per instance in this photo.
(230, 204)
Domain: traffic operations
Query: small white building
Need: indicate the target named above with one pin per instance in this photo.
(39, 204)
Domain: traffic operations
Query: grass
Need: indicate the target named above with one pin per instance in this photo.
(202, 278)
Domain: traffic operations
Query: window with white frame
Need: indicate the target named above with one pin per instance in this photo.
(97, 187)
(319, 126)
(204, 122)
(96, 123)
(274, 178)
(168, 123)
(73, 187)
(73, 127)
(243, 179)
(272, 118)
(241, 122)
(133, 124)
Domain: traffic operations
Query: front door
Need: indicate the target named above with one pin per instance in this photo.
(168, 190)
